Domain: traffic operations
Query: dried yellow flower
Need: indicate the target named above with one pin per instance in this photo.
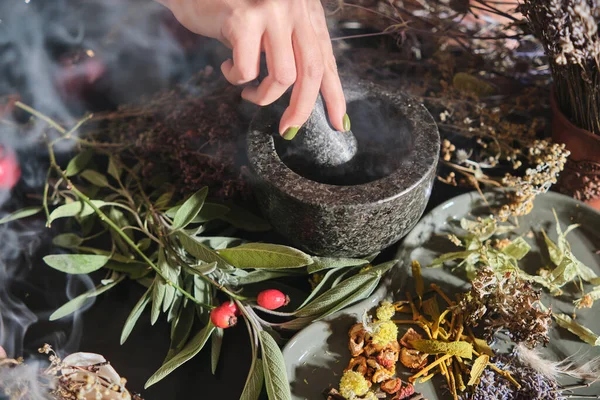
(353, 385)
(385, 311)
(385, 332)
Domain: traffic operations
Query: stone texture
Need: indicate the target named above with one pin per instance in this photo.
(318, 144)
(371, 204)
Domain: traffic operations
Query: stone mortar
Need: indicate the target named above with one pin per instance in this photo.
(370, 203)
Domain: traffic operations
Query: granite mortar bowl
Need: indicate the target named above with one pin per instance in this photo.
(361, 207)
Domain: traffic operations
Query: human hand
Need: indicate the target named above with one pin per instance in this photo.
(292, 33)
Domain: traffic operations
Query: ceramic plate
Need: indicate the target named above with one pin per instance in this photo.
(316, 357)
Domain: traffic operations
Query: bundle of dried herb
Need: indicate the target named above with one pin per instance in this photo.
(504, 302)
(569, 33)
(181, 251)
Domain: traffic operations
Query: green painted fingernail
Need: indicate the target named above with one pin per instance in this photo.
(290, 132)
(346, 122)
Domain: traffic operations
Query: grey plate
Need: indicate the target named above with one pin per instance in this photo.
(316, 357)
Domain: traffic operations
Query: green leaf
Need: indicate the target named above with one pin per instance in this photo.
(181, 329)
(518, 248)
(158, 295)
(75, 209)
(20, 214)
(95, 178)
(264, 255)
(555, 254)
(215, 351)
(203, 269)
(575, 328)
(220, 242)
(164, 200)
(200, 251)
(135, 270)
(114, 168)
(202, 293)
(321, 263)
(75, 304)
(254, 382)
(76, 263)
(79, 162)
(346, 288)
(194, 347)
(362, 293)
(276, 380)
(329, 276)
(208, 212)
(135, 314)
(245, 220)
(188, 211)
(67, 240)
(459, 255)
(260, 276)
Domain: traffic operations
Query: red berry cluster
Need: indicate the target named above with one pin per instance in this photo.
(225, 315)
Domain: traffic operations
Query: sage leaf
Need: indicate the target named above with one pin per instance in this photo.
(254, 382)
(194, 347)
(75, 209)
(188, 210)
(321, 263)
(79, 162)
(220, 242)
(200, 251)
(264, 255)
(114, 168)
(95, 178)
(585, 334)
(78, 302)
(333, 296)
(134, 270)
(203, 269)
(331, 275)
(518, 248)
(260, 276)
(76, 263)
(135, 314)
(163, 200)
(362, 293)
(181, 329)
(245, 220)
(67, 240)
(20, 214)
(158, 295)
(172, 273)
(276, 380)
(477, 369)
(460, 348)
(215, 351)
(202, 293)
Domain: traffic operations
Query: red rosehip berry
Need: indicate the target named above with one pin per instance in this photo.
(272, 299)
(223, 316)
(233, 307)
(10, 173)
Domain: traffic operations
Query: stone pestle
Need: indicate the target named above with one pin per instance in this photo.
(318, 145)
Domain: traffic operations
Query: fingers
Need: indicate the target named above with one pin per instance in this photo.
(282, 70)
(245, 65)
(331, 87)
(309, 63)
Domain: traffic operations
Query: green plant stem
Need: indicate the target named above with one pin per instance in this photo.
(45, 198)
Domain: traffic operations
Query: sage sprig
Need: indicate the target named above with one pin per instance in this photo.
(182, 252)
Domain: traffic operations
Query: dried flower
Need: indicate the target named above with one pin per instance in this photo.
(504, 302)
(353, 385)
(384, 333)
(385, 311)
